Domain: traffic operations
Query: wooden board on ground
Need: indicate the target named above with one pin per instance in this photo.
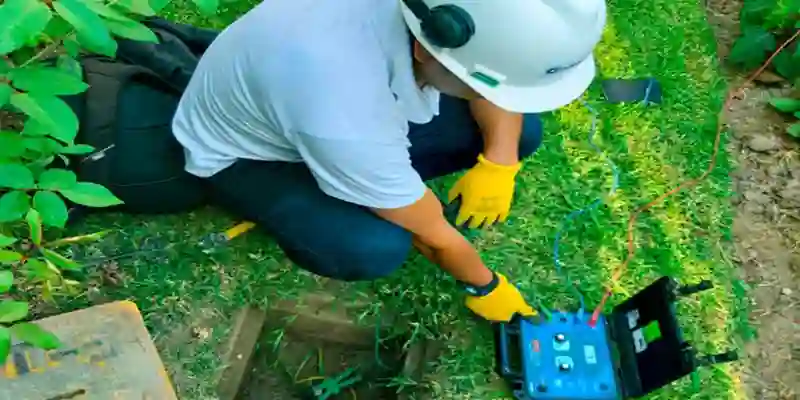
(107, 354)
(246, 331)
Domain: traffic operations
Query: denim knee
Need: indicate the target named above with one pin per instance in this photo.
(374, 255)
(531, 135)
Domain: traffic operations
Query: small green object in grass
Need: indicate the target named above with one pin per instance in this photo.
(333, 386)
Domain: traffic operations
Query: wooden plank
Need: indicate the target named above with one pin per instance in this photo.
(107, 354)
(241, 346)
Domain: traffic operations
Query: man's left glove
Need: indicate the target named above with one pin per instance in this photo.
(500, 302)
(486, 192)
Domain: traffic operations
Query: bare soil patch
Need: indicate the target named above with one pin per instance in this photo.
(767, 223)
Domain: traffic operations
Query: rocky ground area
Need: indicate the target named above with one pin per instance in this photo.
(767, 224)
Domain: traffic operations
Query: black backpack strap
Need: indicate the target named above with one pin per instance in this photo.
(106, 79)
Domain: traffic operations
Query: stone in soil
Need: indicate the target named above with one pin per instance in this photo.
(763, 144)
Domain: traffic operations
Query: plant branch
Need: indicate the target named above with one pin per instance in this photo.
(9, 62)
(51, 48)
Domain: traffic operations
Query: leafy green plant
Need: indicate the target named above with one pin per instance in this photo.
(789, 106)
(41, 42)
(764, 24)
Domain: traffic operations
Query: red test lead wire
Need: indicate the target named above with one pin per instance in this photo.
(732, 94)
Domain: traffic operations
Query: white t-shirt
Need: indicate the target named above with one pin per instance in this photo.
(325, 82)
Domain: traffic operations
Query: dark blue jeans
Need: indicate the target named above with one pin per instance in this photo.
(340, 240)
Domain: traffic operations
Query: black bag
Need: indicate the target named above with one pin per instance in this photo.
(126, 115)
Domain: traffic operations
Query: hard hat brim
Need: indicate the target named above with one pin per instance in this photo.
(529, 99)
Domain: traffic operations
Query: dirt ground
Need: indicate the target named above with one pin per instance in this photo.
(317, 340)
(766, 226)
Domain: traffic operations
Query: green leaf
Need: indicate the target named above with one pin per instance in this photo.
(39, 165)
(786, 105)
(52, 112)
(783, 16)
(6, 281)
(794, 130)
(58, 28)
(87, 238)
(207, 7)
(6, 241)
(11, 145)
(756, 12)
(57, 178)
(5, 344)
(131, 29)
(52, 209)
(106, 11)
(35, 336)
(16, 176)
(11, 310)
(71, 66)
(43, 80)
(34, 128)
(91, 194)
(141, 7)
(34, 220)
(751, 49)
(77, 149)
(786, 66)
(60, 261)
(39, 269)
(72, 47)
(13, 205)
(89, 25)
(108, 50)
(43, 145)
(23, 20)
(9, 257)
(5, 93)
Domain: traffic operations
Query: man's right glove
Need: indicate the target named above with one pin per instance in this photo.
(499, 302)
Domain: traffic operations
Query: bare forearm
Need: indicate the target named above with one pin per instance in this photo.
(460, 260)
(501, 131)
(438, 240)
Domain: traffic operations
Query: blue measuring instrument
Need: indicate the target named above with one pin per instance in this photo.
(634, 351)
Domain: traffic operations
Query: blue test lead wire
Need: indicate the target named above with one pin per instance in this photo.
(574, 214)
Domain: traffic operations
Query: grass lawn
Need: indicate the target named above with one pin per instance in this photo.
(655, 149)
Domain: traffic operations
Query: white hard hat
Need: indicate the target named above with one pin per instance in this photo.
(525, 56)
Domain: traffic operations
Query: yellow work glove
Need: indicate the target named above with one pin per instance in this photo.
(500, 304)
(486, 191)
